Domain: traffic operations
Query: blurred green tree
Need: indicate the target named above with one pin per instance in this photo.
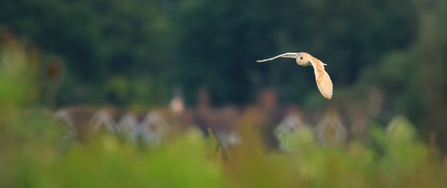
(98, 39)
(219, 41)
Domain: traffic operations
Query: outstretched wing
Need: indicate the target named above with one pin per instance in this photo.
(324, 82)
(285, 55)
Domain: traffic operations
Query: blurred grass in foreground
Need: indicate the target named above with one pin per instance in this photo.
(32, 154)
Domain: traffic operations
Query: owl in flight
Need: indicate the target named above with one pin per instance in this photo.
(324, 82)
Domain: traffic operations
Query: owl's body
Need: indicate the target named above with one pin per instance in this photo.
(322, 78)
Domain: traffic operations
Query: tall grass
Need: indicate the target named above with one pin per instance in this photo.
(31, 156)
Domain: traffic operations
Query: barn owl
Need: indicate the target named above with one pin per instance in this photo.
(324, 82)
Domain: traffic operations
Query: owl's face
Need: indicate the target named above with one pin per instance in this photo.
(302, 60)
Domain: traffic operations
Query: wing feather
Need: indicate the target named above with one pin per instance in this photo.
(285, 55)
(324, 82)
(325, 86)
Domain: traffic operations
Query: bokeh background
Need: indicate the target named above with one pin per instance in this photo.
(386, 59)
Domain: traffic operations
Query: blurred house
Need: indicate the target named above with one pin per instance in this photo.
(359, 122)
(129, 122)
(264, 116)
(147, 127)
(108, 119)
(177, 114)
(330, 130)
(153, 129)
(77, 119)
(289, 131)
(219, 120)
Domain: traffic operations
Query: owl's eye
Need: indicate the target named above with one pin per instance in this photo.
(301, 57)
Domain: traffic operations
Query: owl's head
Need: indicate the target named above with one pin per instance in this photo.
(302, 59)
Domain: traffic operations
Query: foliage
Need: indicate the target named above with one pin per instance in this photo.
(98, 39)
(212, 44)
(131, 52)
(224, 38)
(413, 78)
(32, 156)
(156, 45)
(34, 153)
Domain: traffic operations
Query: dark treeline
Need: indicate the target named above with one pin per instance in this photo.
(134, 52)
